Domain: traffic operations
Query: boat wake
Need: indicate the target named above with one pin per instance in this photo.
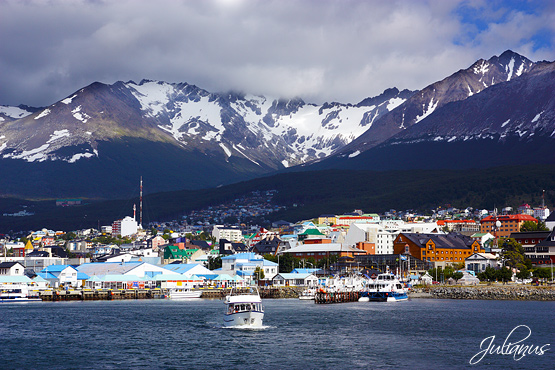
(246, 327)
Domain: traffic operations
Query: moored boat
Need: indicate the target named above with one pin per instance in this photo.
(385, 288)
(243, 308)
(308, 294)
(184, 293)
(20, 294)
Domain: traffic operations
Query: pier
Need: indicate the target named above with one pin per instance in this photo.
(336, 297)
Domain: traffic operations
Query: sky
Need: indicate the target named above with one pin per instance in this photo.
(318, 50)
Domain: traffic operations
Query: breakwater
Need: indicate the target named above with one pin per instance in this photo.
(501, 292)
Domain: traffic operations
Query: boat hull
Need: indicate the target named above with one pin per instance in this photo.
(383, 297)
(185, 294)
(252, 319)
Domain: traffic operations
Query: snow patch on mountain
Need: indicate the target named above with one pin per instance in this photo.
(68, 100)
(153, 96)
(83, 117)
(44, 113)
(509, 68)
(537, 117)
(427, 111)
(394, 103)
(13, 112)
(481, 68)
(505, 123)
(58, 135)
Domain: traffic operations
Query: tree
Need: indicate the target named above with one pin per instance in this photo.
(523, 274)
(258, 273)
(512, 252)
(504, 274)
(533, 226)
(489, 274)
(214, 262)
(458, 275)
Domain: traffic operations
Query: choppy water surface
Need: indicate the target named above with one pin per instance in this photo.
(165, 334)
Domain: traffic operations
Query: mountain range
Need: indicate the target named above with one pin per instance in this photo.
(98, 141)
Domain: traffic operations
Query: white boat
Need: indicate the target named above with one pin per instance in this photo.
(308, 294)
(243, 308)
(183, 293)
(385, 288)
(18, 294)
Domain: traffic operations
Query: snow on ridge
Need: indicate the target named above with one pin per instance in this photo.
(68, 100)
(394, 103)
(58, 135)
(44, 113)
(505, 123)
(153, 96)
(285, 163)
(354, 154)
(13, 112)
(244, 155)
(31, 155)
(520, 69)
(482, 68)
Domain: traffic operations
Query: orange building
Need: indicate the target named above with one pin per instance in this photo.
(508, 224)
(441, 249)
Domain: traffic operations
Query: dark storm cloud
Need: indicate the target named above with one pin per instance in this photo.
(319, 50)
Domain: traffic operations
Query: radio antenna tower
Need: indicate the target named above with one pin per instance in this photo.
(141, 205)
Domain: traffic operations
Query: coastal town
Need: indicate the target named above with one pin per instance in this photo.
(206, 252)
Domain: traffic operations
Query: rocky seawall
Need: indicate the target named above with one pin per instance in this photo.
(502, 292)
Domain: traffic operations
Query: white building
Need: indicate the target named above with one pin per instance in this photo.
(230, 233)
(245, 264)
(478, 262)
(383, 233)
(125, 227)
(541, 213)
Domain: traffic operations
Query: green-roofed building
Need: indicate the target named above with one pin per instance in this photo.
(309, 233)
(174, 253)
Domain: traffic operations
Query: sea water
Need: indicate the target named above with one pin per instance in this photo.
(189, 334)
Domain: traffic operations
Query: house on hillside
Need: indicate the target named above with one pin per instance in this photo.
(227, 247)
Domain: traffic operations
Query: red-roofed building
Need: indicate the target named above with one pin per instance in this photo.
(509, 224)
(459, 225)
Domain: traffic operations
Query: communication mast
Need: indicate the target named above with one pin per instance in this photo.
(141, 205)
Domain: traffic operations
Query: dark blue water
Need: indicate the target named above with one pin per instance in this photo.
(165, 334)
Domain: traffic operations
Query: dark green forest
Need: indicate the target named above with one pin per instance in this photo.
(313, 193)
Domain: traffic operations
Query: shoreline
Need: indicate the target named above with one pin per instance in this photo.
(488, 292)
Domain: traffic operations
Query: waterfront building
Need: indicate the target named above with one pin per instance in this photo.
(441, 249)
(58, 275)
(138, 268)
(294, 279)
(508, 224)
(478, 262)
(11, 269)
(190, 269)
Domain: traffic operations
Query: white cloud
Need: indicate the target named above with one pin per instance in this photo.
(320, 50)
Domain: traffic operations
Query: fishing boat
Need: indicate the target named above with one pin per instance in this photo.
(385, 288)
(183, 293)
(19, 294)
(243, 308)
